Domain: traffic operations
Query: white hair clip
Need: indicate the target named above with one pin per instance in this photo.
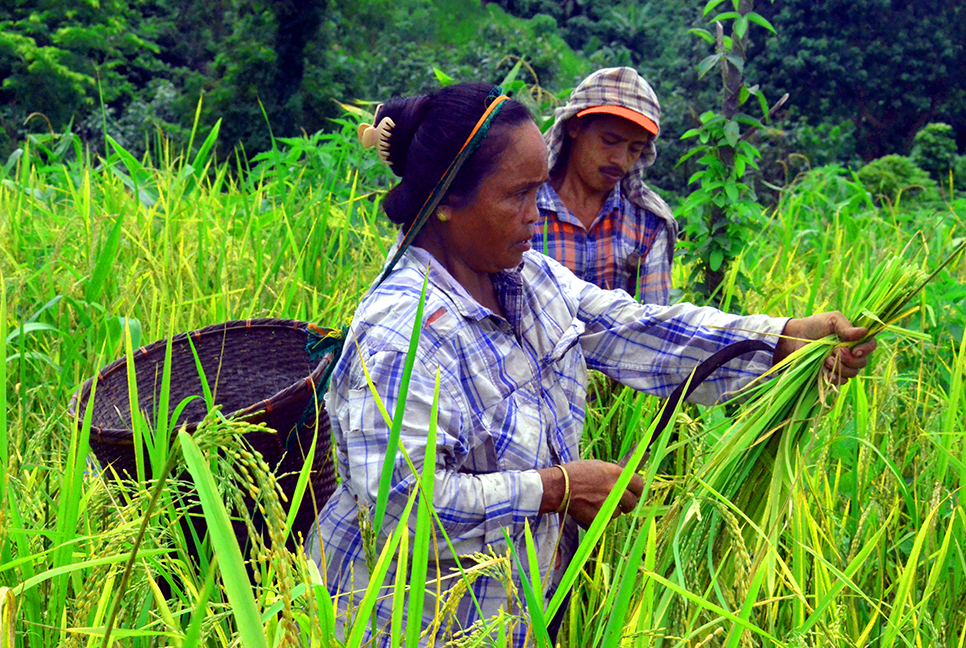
(377, 136)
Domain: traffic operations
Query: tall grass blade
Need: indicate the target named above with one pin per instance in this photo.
(626, 588)
(200, 613)
(538, 623)
(903, 605)
(8, 618)
(4, 440)
(400, 629)
(201, 162)
(230, 563)
(78, 566)
(424, 527)
(104, 266)
(140, 433)
(367, 606)
(597, 528)
(388, 465)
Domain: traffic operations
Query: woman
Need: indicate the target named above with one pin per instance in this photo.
(597, 217)
(512, 334)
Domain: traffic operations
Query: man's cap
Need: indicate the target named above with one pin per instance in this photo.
(641, 120)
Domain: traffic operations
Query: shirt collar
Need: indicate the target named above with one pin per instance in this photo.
(508, 283)
(549, 200)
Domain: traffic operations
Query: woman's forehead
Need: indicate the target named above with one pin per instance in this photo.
(525, 158)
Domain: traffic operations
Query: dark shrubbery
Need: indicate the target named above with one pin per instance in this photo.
(892, 177)
(934, 151)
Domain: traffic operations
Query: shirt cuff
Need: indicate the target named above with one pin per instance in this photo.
(531, 493)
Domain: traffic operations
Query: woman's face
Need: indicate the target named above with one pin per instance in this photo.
(494, 230)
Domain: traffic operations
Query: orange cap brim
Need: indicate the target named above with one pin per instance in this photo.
(626, 113)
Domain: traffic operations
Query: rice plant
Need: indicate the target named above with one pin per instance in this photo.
(841, 526)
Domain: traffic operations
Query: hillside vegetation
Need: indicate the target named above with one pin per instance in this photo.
(862, 77)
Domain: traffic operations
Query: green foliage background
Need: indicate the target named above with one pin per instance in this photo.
(863, 77)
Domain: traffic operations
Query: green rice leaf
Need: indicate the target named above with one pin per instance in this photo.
(388, 465)
(534, 604)
(373, 591)
(424, 527)
(230, 563)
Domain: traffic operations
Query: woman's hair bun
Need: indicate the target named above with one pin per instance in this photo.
(428, 134)
(407, 114)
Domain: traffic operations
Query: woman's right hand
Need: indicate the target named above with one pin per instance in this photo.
(844, 363)
(591, 481)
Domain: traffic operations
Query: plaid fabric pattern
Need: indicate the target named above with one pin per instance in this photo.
(625, 247)
(621, 86)
(511, 400)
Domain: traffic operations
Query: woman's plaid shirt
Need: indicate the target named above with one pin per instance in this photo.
(511, 401)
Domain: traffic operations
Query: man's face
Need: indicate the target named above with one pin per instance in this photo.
(604, 148)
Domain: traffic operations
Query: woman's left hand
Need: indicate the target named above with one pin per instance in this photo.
(844, 363)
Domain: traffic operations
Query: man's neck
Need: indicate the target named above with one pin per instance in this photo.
(582, 200)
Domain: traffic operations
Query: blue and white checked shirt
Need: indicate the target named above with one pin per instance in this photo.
(511, 401)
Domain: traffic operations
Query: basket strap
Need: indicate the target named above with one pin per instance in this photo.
(320, 342)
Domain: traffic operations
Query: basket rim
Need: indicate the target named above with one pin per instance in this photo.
(265, 405)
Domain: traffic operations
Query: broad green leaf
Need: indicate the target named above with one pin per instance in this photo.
(758, 19)
(741, 27)
(703, 34)
(708, 63)
(736, 61)
(443, 78)
(727, 15)
(715, 260)
(710, 6)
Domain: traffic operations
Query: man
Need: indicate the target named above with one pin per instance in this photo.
(598, 217)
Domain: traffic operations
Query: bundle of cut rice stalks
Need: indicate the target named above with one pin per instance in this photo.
(720, 539)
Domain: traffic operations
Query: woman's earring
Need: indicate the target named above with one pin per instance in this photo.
(441, 215)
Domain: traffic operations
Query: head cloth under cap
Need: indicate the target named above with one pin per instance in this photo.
(623, 87)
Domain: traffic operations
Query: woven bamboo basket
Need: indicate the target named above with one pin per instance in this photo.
(258, 370)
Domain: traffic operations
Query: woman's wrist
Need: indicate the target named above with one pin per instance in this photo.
(554, 489)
